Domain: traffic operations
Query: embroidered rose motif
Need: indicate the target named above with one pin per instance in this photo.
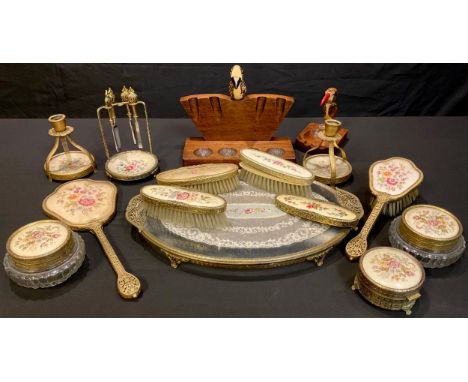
(182, 195)
(86, 202)
(36, 235)
(248, 210)
(131, 166)
(392, 181)
(38, 238)
(394, 268)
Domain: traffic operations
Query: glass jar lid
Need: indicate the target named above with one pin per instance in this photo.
(40, 245)
(430, 227)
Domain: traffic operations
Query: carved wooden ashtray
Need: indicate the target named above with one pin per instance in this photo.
(229, 125)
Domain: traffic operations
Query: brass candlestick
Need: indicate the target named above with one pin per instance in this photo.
(132, 164)
(329, 169)
(69, 164)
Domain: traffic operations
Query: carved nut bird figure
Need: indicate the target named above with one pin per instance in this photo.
(237, 87)
(328, 103)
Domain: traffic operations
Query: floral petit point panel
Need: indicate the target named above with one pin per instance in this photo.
(276, 164)
(315, 206)
(131, 163)
(39, 238)
(69, 163)
(180, 195)
(253, 211)
(394, 176)
(432, 222)
(82, 201)
(392, 268)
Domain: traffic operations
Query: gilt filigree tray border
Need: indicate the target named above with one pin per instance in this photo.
(135, 215)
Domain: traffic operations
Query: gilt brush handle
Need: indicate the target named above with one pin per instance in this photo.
(128, 285)
(357, 246)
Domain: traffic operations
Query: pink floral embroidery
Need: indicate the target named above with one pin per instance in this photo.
(284, 164)
(392, 176)
(131, 166)
(65, 164)
(393, 267)
(81, 199)
(434, 223)
(174, 194)
(86, 201)
(328, 209)
(182, 195)
(38, 238)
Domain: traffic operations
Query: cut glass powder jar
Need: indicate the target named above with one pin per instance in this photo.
(431, 234)
(43, 254)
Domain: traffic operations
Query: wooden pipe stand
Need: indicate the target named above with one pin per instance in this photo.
(229, 125)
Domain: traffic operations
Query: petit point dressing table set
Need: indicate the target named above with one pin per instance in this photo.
(240, 201)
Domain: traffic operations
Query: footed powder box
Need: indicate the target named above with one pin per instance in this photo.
(389, 278)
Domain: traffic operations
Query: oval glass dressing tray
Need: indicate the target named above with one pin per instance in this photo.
(259, 235)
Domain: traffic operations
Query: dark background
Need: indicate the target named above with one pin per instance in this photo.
(39, 90)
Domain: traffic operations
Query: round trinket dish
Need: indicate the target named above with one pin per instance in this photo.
(319, 165)
(428, 259)
(389, 278)
(70, 165)
(430, 228)
(131, 165)
(43, 254)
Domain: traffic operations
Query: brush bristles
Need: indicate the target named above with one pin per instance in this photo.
(275, 186)
(218, 187)
(187, 218)
(397, 206)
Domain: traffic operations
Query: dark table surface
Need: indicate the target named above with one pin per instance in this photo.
(438, 145)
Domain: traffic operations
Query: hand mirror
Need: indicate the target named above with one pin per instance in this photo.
(87, 204)
(391, 181)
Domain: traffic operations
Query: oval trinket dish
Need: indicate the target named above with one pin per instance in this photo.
(43, 253)
(131, 165)
(214, 178)
(389, 278)
(430, 233)
(317, 210)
